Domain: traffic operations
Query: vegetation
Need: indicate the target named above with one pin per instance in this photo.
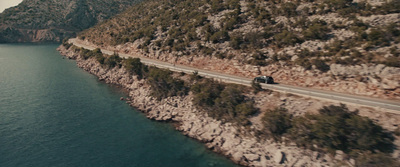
(163, 85)
(334, 128)
(223, 101)
(277, 122)
(205, 27)
(136, 67)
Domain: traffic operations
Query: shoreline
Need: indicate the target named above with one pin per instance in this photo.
(223, 138)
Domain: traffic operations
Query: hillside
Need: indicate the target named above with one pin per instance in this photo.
(226, 29)
(54, 20)
(336, 45)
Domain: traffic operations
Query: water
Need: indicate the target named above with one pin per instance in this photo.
(54, 114)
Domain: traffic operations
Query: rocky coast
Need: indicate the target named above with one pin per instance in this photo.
(241, 144)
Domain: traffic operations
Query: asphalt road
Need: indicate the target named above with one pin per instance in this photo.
(392, 106)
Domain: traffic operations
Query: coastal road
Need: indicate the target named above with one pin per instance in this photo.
(390, 105)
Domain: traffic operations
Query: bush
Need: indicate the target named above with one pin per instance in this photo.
(337, 128)
(304, 62)
(220, 36)
(321, 65)
(133, 65)
(286, 38)
(206, 92)
(164, 85)
(277, 122)
(112, 61)
(392, 62)
(223, 102)
(317, 30)
(375, 160)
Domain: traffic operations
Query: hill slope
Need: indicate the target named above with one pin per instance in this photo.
(53, 20)
(336, 45)
(261, 30)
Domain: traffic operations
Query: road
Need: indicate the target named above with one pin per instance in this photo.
(390, 105)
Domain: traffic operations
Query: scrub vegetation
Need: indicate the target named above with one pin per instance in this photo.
(226, 29)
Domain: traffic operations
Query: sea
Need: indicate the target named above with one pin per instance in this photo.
(54, 114)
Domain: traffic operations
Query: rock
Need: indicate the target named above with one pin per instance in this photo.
(252, 157)
(294, 58)
(339, 155)
(279, 157)
(122, 98)
(237, 156)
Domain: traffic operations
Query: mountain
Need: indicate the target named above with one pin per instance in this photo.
(54, 20)
(313, 33)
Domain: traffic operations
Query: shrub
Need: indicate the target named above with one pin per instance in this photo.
(112, 61)
(220, 36)
(375, 160)
(317, 30)
(321, 65)
(392, 61)
(277, 122)
(304, 62)
(206, 92)
(286, 38)
(337, 128)
(288, 9)
(100, 58)
(223, 102)
(236, 40)
(164, 85)
(133, 65)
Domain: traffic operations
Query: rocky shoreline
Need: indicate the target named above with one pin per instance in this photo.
(232, 141)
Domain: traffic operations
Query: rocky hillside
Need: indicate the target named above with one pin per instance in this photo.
(54, 20)
(260, 32)
(338, 45)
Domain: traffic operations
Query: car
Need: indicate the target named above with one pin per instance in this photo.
(264, 79)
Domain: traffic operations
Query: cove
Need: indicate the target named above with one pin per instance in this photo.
(55, 114)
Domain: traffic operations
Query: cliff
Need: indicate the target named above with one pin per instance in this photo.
(240, 144)
(53, 21)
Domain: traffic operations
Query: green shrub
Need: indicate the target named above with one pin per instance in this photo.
(321, 65)
(392, 61)
(277, 122)
(220, 36)
(223, 102)
(206, 92)
(112, 61)
(236, 40)
(133, 65)
(163, 85)
(286, 38)
(317, 30)
(304, 62)
(100, 58)
(337, 128)
(375, 160)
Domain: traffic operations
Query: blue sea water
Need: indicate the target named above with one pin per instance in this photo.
(53, 113)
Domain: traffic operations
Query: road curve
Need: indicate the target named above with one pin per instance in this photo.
(390, 105)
